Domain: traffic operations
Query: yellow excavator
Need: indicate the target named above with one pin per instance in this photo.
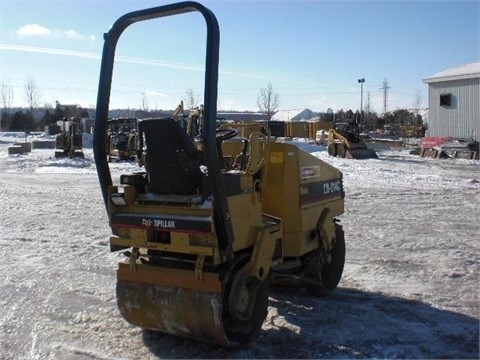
(207, 224)
(68, 143)
(179, 116)
(122, 139)
(190, 123)
(344, 141)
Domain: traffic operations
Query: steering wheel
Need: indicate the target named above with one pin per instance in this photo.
(225, 134)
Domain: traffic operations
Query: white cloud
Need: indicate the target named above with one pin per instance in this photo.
(33, 30)
(38, 30)
(155, 93)
(72, 34)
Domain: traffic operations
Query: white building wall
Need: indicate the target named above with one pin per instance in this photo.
(462, 118)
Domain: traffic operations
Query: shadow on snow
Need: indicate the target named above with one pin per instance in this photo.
(346, 323)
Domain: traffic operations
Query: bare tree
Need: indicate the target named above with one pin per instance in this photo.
(190, 99)
(6, 92)
(32, 94)
(268, 101)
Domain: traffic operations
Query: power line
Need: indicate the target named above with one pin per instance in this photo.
(385, 88)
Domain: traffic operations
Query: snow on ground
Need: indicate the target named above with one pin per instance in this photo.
(409, 290)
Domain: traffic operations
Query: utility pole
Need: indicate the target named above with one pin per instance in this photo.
(385, 88)
(361, 81)
(368, 110)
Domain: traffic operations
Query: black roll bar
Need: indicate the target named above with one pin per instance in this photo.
(223, 223)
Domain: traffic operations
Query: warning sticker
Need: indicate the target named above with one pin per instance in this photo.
(310, 172)
(276, 157)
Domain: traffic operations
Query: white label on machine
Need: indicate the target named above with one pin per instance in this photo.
(310, 172)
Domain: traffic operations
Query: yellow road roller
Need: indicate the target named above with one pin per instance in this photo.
(207, 223)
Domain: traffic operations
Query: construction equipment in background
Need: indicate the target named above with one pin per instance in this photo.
(209, 222)
(191, 123)
(178, 111)
(179, 116)
(68, 143)
(449, 147)
(122, 139)
(195, 118)
(344, 141)
(413, 131)
(321, 137)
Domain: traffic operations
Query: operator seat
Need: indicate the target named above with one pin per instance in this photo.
(172, 161)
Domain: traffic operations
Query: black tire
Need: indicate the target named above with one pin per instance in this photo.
(332, 149)
(341, 150)
(240, 332)
(332, 272)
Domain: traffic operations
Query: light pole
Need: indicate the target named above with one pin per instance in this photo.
(361, 81)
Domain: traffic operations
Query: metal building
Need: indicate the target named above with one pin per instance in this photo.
(454, 102)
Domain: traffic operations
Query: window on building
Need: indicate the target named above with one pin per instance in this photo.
(445, 99)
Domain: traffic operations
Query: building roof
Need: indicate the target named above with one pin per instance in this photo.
(293, 115)
(242, 116)
(461, 72)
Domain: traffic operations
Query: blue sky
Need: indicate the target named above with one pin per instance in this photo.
(312, 52)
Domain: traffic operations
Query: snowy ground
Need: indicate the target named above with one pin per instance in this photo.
(410, 287)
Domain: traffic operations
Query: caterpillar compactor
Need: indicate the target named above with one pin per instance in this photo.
(207, 223)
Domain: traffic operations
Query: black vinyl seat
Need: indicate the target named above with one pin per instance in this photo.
(172, 161)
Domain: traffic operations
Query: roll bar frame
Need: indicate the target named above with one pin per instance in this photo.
(222, 220)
